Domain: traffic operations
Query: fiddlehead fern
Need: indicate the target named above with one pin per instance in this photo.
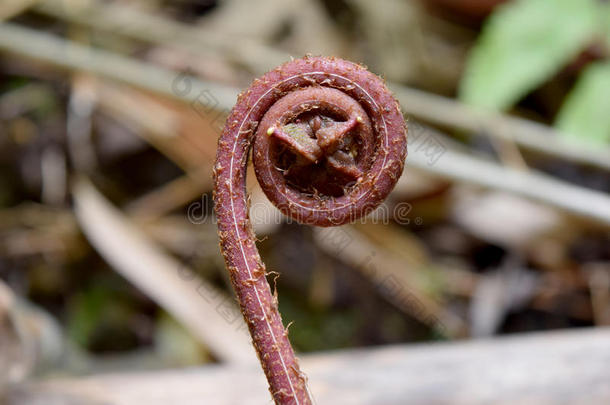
(328, 144)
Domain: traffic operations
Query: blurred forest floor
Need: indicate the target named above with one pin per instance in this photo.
(109, 258)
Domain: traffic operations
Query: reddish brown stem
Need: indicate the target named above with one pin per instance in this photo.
(329, 144)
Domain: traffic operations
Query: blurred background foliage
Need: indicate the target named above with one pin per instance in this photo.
(526, 43)
(108, 251)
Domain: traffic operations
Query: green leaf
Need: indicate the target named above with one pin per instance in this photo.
(605, 21)
(523, 44)
(585, 114)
